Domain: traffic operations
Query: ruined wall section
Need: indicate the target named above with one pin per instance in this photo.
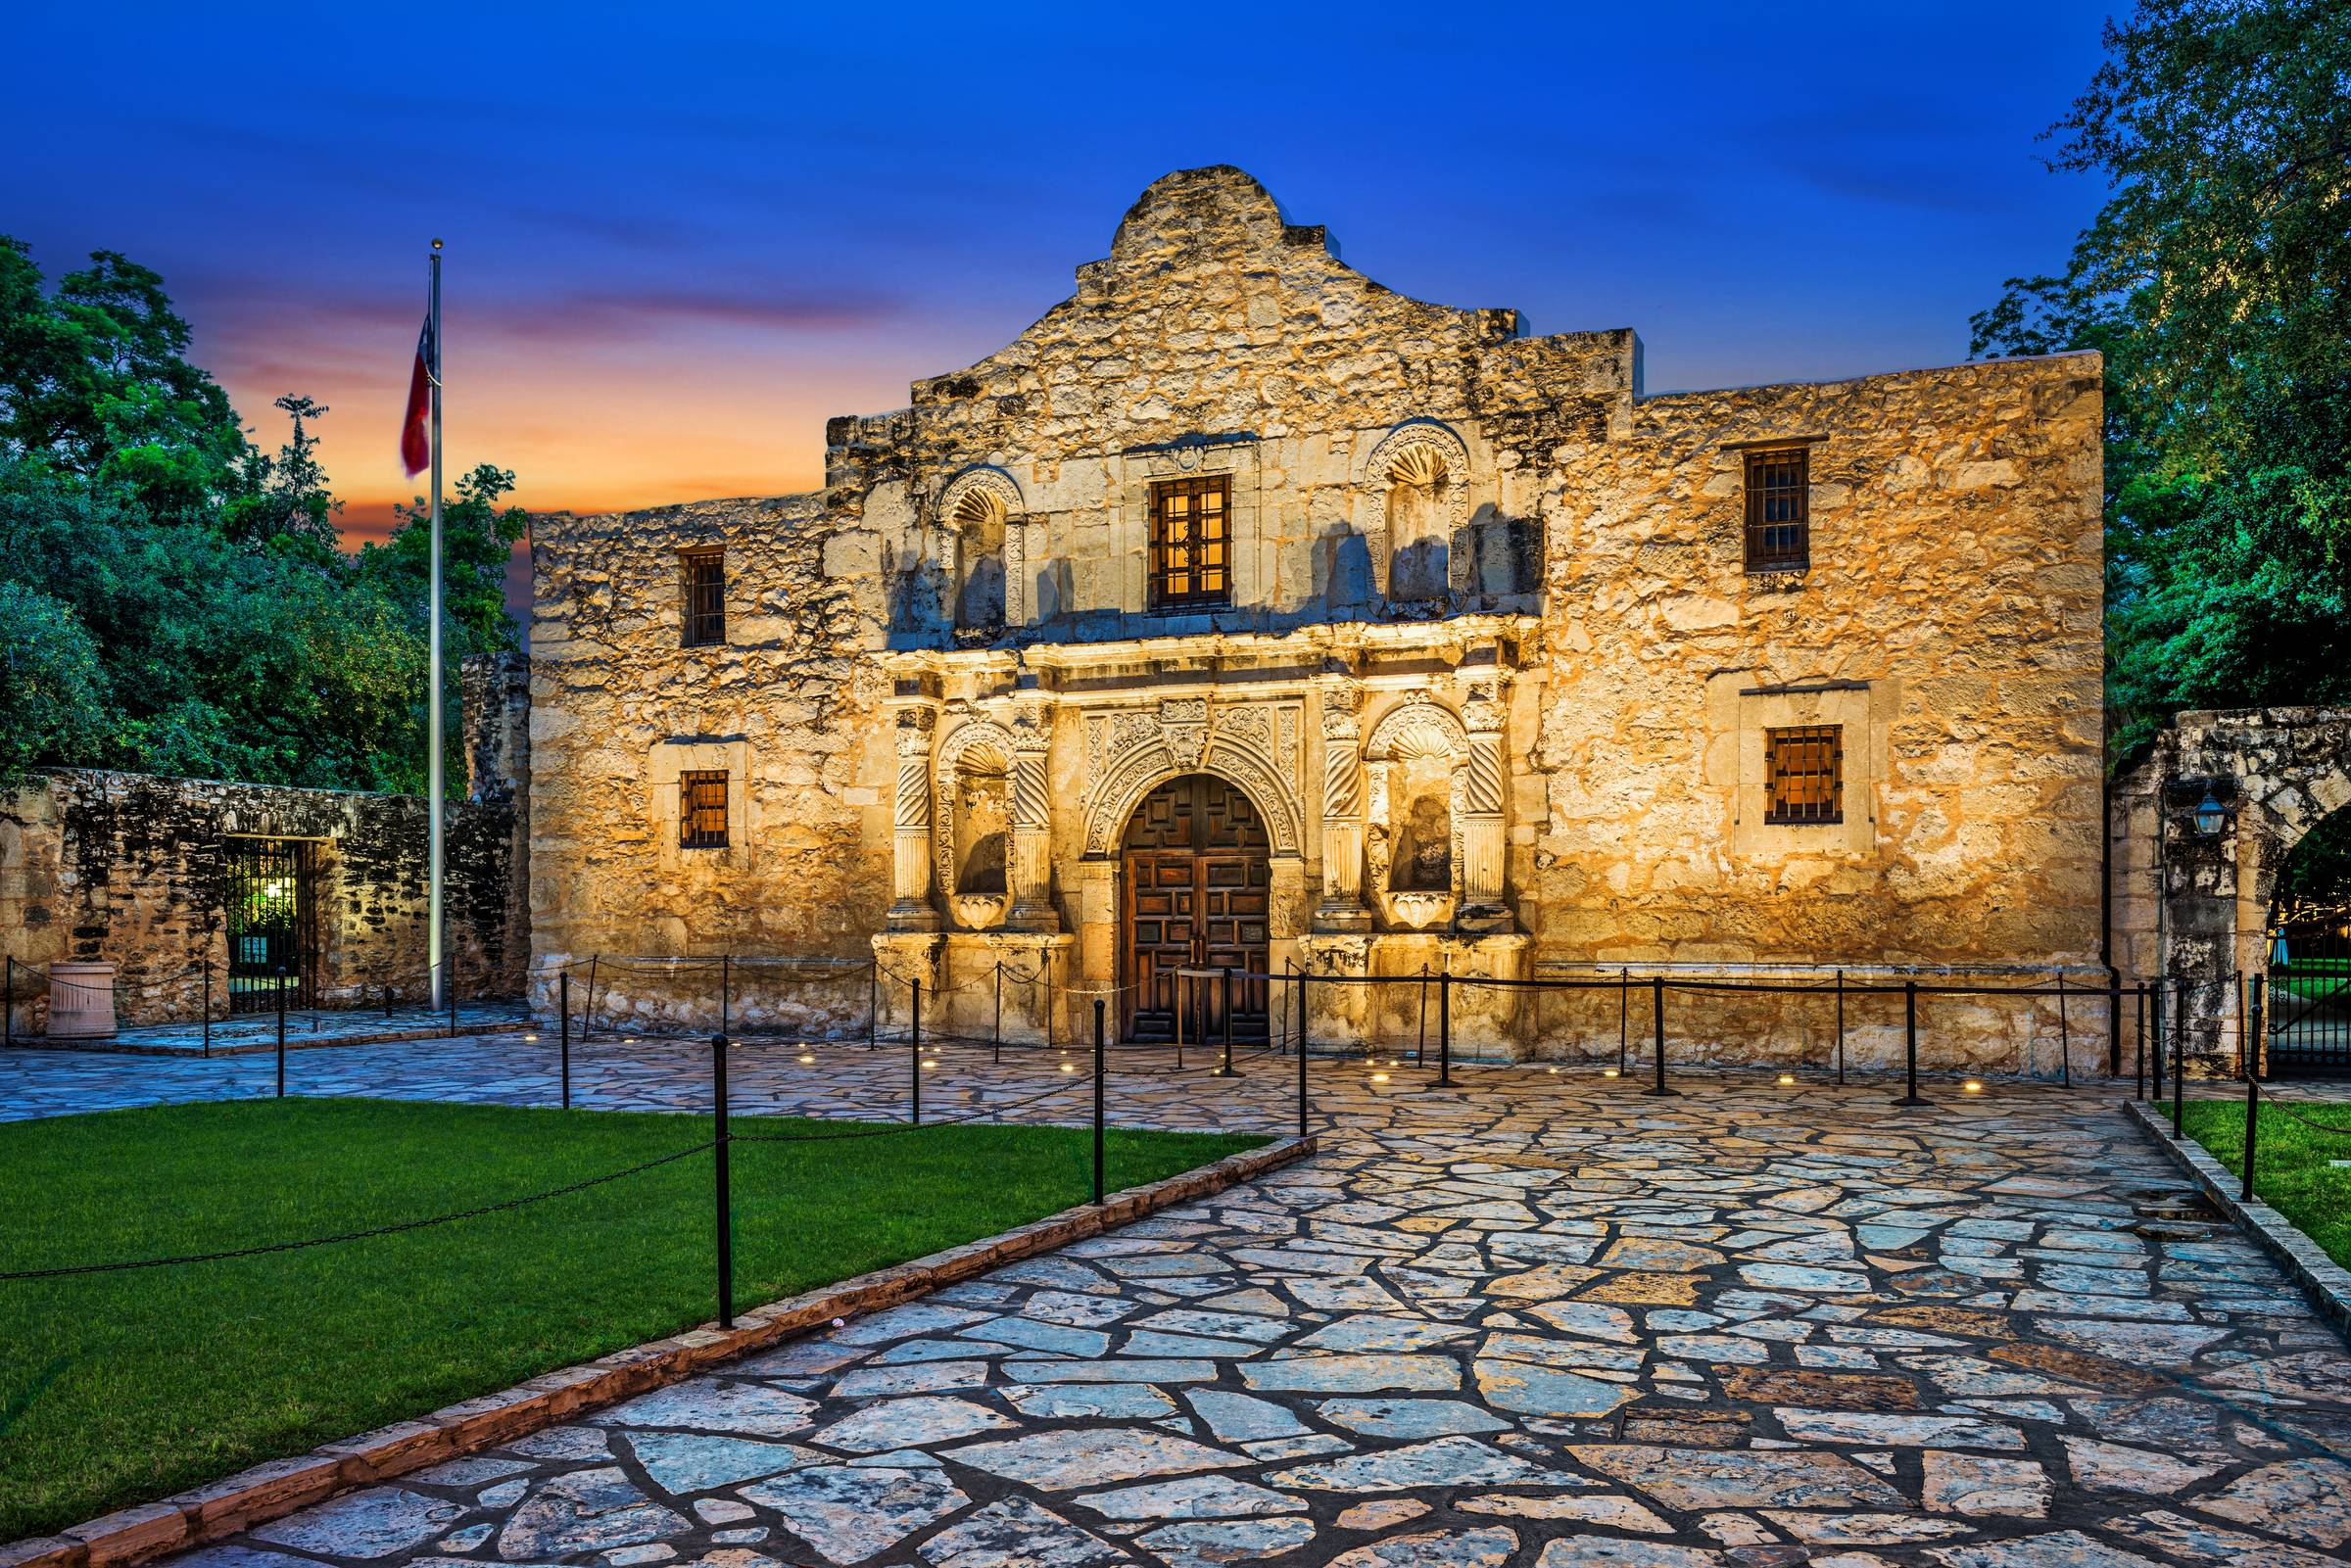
(1950, 621)
(132, 869)
(621, 707)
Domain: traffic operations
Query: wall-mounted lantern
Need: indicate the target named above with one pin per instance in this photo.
(2211, 818)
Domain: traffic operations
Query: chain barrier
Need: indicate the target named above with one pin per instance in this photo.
(361, 1235)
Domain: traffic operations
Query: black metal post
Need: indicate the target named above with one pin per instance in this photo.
(2065, 1040)
(1911, 1043)
(281, 1032)
(1841, 1026)
(2236, 979)
(2178, 1053)
(1624, 1013)
(1225, 1071)
(2252, 1096)
(1421, 1048)
(998, 1028)
(2155, 1039)
(2257, 1048)
(208, 1006)
(725, 990)
(726, 1209)
(1445, 1027)
(1177, 978)
(2139, 1078)
(452, 995)
(914, 1063)
(1300, 1050)
(1099, 1065)
(563, 1005)
(1656, 997)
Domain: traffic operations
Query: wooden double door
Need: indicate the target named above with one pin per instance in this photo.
(1198, 886)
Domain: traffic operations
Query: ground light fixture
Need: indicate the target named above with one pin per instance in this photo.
(1787, 1077)
(530, 1036)
(1379, 1077)
(1553, 1069)
(1973, 1087)
(1066, 1068)
(808, 1059)
(1607, 1073)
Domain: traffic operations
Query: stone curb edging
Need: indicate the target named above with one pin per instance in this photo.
(2323, 1281)
(280, 1487)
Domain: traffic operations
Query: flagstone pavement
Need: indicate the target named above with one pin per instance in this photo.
(1537, 1321)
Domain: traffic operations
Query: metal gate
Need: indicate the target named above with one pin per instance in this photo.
(269, 923)
(2310, 1000)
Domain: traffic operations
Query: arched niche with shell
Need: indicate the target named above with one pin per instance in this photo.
(1416, 768)
(980, 512)
(972, 820)
(1419, 471)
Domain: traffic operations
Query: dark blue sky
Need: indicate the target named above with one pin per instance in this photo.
(680, 238)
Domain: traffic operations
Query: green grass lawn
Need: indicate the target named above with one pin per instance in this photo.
(122, 1388)
(2290, 1173)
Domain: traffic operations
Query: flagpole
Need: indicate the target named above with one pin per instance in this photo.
(432, 707)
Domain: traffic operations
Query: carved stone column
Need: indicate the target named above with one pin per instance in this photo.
(1030, 867)
(1342, 907)
(1484, 822)
(912, 910)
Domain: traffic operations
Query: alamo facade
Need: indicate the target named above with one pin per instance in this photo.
(1244, 613)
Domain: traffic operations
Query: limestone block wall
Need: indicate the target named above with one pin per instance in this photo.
(1950, 621)
(620, 708)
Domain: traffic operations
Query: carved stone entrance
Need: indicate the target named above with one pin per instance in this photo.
(1197, 892)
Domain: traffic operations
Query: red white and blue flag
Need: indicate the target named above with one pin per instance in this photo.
(415, 444)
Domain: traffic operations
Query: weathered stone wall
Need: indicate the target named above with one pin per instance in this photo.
(2191, 910)
(131, 870)
(1427, 504)
(619, 709)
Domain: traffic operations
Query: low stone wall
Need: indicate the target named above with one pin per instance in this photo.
(801, 998)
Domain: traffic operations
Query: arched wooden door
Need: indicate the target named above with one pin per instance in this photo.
(1197, 887)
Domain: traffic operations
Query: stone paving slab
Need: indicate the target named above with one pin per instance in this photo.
(1779, 1325)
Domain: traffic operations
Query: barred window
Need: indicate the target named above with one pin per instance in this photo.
(1191, 543)
(706, 597)
(1779, 523)
(1807, 774)
(703, 811)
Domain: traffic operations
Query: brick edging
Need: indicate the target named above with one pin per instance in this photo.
(281, 1486)
(2326, 1283)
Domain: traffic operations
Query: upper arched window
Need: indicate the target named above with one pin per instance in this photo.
(977, 524)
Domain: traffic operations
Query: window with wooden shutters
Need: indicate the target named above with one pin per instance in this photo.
(1191, 542)
(1807, 774)
(1779, 523)
(706, 597)
(703, 810)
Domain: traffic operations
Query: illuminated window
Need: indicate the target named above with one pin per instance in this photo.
(706, 597)
(1779, 523)
(703, 810)
(1192, 544)
(1807, 774)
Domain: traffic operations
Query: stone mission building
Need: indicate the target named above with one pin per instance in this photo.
(1244, 612)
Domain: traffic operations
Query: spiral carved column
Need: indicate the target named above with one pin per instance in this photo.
(1030, 862)
(912, 910)
(1342, 908)
(1485, 821)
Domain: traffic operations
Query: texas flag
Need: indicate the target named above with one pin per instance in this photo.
(415, 445)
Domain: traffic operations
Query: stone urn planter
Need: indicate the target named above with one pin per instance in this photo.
(82, 1001)
(1418, 911)
(979, 911)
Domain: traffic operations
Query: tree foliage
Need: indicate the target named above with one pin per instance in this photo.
(173, 600)
(2215, 280)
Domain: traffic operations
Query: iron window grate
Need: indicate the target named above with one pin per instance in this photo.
(703, 814)
(1191, 544)
(1807, 774)
(1779, 513)
(705, 598)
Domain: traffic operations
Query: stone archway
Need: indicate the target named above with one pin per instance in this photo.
(2191, 908)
